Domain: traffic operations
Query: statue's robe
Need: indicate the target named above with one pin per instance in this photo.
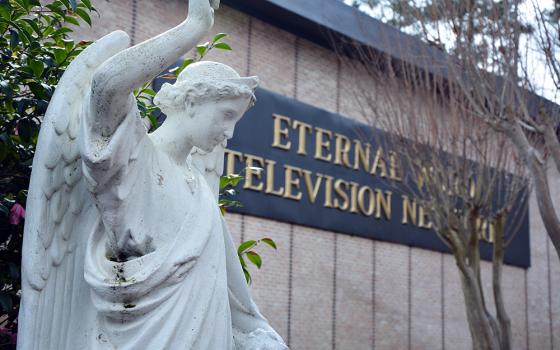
(174, 280)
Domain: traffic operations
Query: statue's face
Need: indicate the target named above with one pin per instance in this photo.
(214, 121)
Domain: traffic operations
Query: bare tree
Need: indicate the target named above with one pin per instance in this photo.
(465, 175)
(490, 58)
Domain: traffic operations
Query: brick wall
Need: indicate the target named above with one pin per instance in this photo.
(323, 290)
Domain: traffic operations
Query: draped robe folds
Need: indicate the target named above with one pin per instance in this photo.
(174, 280)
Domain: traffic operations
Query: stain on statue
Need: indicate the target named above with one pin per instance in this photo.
(124, 244)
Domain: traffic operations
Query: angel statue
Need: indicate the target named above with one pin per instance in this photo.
(124, 246)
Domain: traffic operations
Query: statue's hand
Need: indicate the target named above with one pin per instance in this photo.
(202, 11)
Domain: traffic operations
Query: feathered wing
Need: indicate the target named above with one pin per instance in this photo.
(60, 212)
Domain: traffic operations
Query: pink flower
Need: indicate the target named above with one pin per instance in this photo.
(16, 214)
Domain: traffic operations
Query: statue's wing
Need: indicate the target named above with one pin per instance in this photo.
(57, 205)
(210, 164)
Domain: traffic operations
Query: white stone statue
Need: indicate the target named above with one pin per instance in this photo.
(124, 245)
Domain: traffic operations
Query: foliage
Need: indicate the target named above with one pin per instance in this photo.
(246, 249)
(35, 49)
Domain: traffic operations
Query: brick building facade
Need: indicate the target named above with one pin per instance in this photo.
(325, 290)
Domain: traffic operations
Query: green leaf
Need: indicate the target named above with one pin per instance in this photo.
(83, 15)
(222, 46)
(14, 271)
(59, 55)
(61, 31)
(72, 20)
(88, 4)
(27, 130)
(33, 24)
(270, 242)
(184, 65)
(37, 66)
(218, 37)
(201, 49)
(5, 301)
(4, 151)
(14, 39)
(242, 262)
(4, 209)
(247, 275)
(254, 258)
(149, 91)
(5, 10)
(245, 246)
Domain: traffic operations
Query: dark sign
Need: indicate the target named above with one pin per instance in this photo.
(326, 171)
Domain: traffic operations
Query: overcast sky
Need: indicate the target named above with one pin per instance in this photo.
(538, 70)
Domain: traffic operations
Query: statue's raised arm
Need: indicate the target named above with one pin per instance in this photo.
(115, 80)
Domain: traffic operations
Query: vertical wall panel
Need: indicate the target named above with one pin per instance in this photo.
(235, 226)
(554, 295)
(537, 283)
(513, 286)
(273, 58)
(426, 299)
(316, 76)
(354, 323)
(169, 14)
(391, 296)
(457, 334)
(112, 16)
(270, 283)
(236, 25)
(554, 266)
(352, 82)
(312, 294)
(486, 276)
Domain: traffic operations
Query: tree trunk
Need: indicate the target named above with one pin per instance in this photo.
(483, 333)
(504, 322)
(540, 181)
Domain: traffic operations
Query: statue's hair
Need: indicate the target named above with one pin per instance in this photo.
(177, 96)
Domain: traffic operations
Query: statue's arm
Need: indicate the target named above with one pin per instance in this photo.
(115, 80)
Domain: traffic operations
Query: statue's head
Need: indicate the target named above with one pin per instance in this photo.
(209, 98)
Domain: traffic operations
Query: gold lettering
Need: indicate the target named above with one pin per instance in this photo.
(303, 129)
(230, 160)
(328, 190)
(250, 173)
(424, 221)
(492, 233)
(371, 201)
(292, 182)
(383, 203)
(486, 228)
(379, 163)
(409, 211)
(354, 197)
(361, 155)
(312, 188)
(281, 134)
(322, 143)
(341, 150)
(270, 166)
(342, 194)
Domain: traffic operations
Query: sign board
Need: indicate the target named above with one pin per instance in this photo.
(326, 171)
